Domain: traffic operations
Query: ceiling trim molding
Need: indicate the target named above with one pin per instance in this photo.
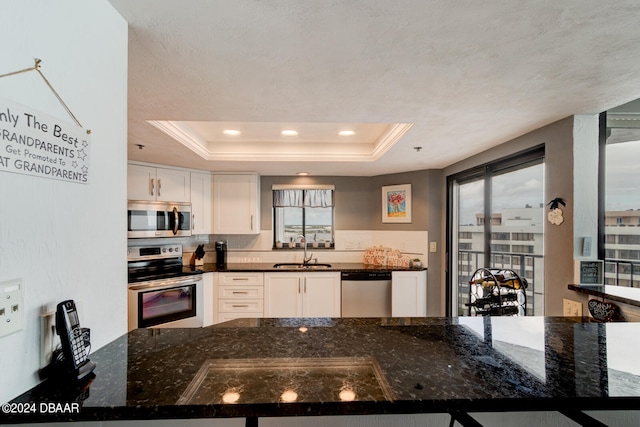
(175, 131)
(192, 141)
(396, 132)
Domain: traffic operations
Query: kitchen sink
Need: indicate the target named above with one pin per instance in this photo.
(295, 265)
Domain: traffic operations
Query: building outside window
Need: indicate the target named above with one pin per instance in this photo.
(500, 236)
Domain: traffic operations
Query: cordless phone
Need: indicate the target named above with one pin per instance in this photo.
(73, 340)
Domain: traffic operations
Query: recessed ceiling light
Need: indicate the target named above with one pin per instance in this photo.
(302, 173)
(346, 133)
(232, 132)
(289, 132)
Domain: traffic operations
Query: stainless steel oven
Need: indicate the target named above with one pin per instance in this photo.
(162, 293)
(158, 219)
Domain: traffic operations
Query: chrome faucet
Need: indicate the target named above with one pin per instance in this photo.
(306, 259)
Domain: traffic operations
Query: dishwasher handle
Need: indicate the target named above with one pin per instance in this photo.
(365, 275)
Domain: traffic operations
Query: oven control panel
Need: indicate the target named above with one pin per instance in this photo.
(153, 252)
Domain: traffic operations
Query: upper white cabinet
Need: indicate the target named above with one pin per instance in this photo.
(409, 293)
(157, 184)
(302, 294)
(236, 204)
(201, 198)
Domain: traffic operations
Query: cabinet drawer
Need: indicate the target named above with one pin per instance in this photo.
(241, 306)
(240, 291)
(240, 278)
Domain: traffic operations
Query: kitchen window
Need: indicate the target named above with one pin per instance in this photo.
(303, 211)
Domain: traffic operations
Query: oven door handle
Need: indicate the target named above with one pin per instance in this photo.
(156, 284)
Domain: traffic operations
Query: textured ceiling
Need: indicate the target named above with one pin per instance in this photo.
(468, 75)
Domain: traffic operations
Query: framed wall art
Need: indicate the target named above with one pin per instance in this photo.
(396, 203)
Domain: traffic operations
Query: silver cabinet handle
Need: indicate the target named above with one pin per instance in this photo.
(159, 186)
(240, 306)
(240, 278)
(152, 186)
(251, 223)
(298, 285)
(193, 221)
(239, 293)
(305, 285)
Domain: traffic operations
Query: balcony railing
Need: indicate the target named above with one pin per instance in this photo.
(523, 264)
(622, 272)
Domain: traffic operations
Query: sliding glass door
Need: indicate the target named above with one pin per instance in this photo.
(468, 236)
(496, 219)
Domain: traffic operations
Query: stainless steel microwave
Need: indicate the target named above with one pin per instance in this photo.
(158, 219)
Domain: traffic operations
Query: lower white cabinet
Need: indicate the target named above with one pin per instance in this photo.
(239, 295)
(208, 307)
(409, 293)
(314, 294)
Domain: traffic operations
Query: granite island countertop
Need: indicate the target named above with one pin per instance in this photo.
(294, 367)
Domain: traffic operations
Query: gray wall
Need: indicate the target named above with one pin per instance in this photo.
(558, 245)
(358, 200)
(436, 210)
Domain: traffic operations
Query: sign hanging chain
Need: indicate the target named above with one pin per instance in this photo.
(37, 68)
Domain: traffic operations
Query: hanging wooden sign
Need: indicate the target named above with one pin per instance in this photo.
(35, 143)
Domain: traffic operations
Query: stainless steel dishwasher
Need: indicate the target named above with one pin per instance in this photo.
(366, 294)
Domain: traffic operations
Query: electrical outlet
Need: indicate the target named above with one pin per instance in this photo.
(571, 308)
(11, 307)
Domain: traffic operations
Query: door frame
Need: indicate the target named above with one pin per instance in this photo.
(485, 171)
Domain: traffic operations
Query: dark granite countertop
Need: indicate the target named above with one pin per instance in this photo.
(269, 267)
(621, 294)
(377, 366)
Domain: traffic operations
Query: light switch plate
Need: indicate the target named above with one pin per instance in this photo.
(586, 246)
(571, 308)
(433, 247)
(11, 307)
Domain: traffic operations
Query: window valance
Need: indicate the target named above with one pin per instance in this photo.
(303, 198)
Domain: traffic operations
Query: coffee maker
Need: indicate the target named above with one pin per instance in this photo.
(221, 254)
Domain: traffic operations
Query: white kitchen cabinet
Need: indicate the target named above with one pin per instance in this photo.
(321, 294)
(314, 294)
(239, 295)
(157, 184)
(201, 203)
(236, 204)
(209, 309)
(409, 293)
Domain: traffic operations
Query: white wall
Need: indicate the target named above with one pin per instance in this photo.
(66, 240)
(585, 183)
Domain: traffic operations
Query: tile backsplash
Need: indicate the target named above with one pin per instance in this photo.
(257, 248)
